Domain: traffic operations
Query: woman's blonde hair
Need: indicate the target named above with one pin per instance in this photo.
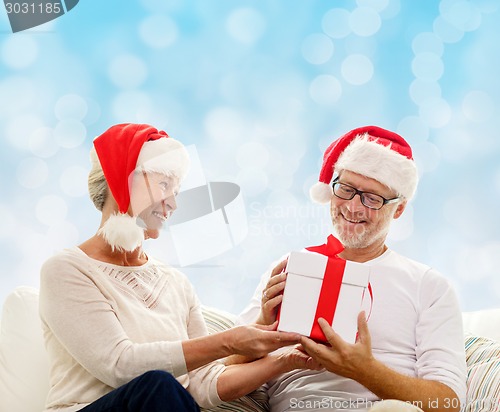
(97, 184)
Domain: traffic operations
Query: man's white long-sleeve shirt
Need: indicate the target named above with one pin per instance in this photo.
(416, 329)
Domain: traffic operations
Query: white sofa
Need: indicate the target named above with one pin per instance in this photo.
(24, 366)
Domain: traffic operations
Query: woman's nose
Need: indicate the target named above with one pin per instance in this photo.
(170, 203)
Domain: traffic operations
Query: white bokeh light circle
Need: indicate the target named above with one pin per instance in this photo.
(497, 179)
(253, 182)
(335, 23)
(35, 249)
(158, 31)
(364, 21)
(487, 6)
(280, 198)
(325, 89)
(32, 172)
(224, 125)
(427, 42)
(282, 169)
(9, 224)
(71, 107)
(478, 106)
(357, 69)
(470, 265)
(20, 128)
(73, 181)
(128, 71)
(392, 10)
(489, 256)
(162, 6)
(51, 210)
(403, 227)
(464, 15)
(128, 106)
(435, 112)
(93, 112)
(62, 235)
(246, 25)
(317, 48)
(19, 51)
(446, 31)
(70, 133)
(413, 129)
(252, 155)
(454, 144)
(377, 5)
(427, 156)
(421, 91)
(428, 67)
(43, 143)
(17, 94)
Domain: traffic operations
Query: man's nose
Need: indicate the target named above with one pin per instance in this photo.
(355, 203)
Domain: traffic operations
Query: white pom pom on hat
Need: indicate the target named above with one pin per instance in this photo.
(121, 150)
(121, 232)
(373, 152)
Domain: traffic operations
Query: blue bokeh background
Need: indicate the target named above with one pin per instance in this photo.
(260, 88)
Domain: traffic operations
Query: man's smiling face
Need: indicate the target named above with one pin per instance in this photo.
(356, 225)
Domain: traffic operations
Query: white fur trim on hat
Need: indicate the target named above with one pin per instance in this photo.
(121, 232)
(321, 192)
(379, 162)
(166, 155)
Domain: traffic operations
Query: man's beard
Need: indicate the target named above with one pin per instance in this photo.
(363, 236)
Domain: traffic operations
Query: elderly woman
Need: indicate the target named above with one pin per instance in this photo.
(124, 332)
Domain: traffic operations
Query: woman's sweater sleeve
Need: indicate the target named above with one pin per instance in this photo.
(87, 328)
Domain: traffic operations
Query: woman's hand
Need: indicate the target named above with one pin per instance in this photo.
(297, 358)
(256, 341)
(272, 295)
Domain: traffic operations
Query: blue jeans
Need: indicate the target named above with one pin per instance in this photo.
(154, 391)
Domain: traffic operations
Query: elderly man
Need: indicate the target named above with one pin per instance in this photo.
(410, 352)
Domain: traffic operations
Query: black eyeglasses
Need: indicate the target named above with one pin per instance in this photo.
(370, 200)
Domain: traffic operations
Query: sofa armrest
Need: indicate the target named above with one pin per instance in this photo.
(24, 368)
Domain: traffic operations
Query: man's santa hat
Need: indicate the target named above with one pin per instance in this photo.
(122, 150)
(373, 152)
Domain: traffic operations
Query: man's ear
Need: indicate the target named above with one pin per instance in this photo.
(400, 209)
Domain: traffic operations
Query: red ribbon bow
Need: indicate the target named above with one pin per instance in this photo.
(330, 288)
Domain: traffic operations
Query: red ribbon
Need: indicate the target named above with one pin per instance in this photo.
(330, 288)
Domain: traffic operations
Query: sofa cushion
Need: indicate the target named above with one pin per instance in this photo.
(24, 369)
(483, 323)
(483, 374)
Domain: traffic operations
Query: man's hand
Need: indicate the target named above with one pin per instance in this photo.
(342, 358)
(272, 295)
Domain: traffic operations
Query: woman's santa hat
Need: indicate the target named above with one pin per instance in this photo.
(373, 152)
(121, 150)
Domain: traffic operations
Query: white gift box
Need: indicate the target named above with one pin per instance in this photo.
(306, 272)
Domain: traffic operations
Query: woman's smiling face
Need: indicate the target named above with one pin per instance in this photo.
(152, 200)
